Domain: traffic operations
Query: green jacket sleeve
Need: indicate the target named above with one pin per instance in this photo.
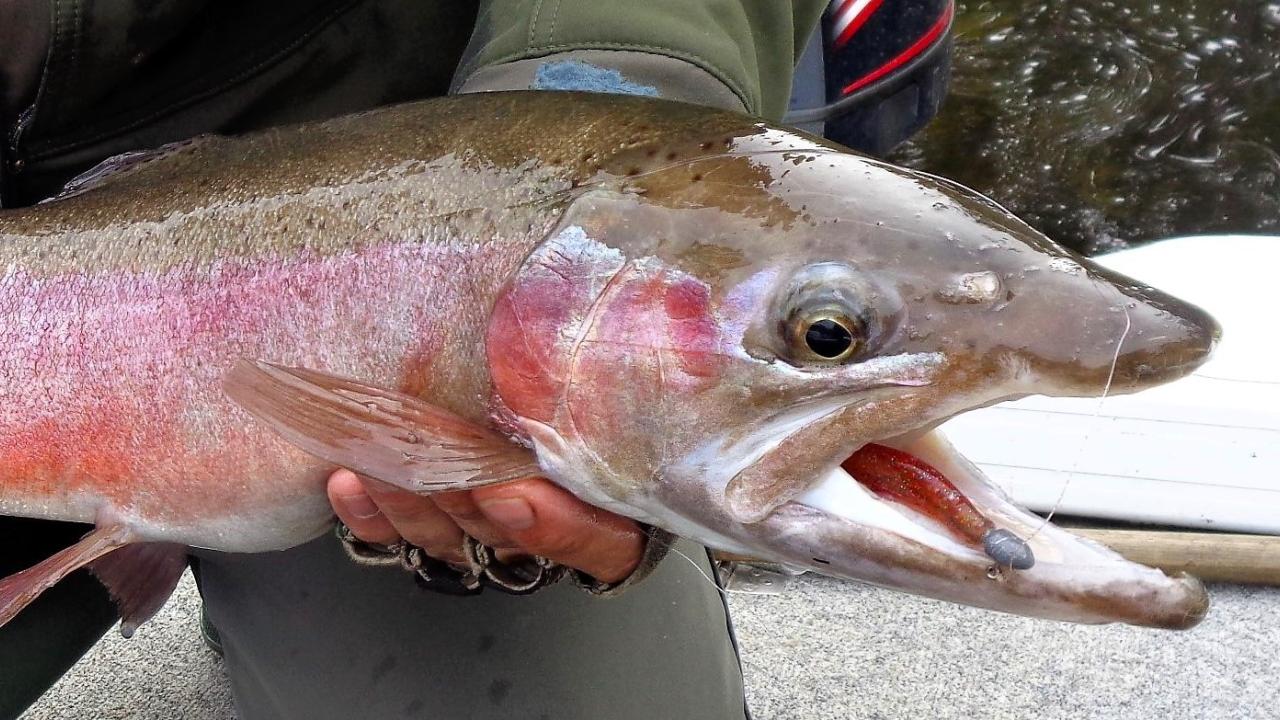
(750, 46)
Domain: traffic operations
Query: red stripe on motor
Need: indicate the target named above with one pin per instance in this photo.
(857, 22)
(915, 49)
(844, 5)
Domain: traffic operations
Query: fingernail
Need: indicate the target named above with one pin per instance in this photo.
(511, 513)
(360, 505)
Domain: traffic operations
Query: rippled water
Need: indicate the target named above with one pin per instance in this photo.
(1106, 124)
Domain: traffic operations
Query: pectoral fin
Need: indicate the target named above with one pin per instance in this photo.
(20, 589)
(380, 433)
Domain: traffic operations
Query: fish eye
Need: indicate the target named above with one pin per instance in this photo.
(831, 313)
(828, 336)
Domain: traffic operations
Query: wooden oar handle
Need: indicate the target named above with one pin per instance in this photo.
(1212, 557)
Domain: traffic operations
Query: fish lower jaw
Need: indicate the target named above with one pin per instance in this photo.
(856, 528)
(1134, 595)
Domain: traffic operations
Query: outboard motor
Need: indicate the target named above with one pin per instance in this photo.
(874, 72)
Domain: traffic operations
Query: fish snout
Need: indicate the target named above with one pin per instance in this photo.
(1164, 339)
(1115, 336)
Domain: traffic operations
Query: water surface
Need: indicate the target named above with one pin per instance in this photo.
(1106, 124)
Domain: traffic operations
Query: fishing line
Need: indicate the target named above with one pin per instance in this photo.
(1093, 421)
(705, 576)
(1249, 381)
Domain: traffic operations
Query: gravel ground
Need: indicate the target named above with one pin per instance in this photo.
(164, 672)
(832, 650)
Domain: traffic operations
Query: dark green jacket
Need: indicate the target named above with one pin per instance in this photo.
(81, 80)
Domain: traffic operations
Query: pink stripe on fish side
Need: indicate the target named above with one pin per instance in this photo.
(111, 383)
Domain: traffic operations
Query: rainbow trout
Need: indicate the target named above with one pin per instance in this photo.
(737, 332)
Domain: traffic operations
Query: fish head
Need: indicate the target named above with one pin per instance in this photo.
(752, 343)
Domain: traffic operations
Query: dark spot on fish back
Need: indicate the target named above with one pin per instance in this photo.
(384, 666)
(486, 643)
(499, 689)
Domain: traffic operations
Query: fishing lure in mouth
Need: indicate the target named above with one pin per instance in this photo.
(905, 479)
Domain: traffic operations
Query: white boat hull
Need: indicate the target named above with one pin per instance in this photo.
(1201, 452)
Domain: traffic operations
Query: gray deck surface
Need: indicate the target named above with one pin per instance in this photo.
(832, 650)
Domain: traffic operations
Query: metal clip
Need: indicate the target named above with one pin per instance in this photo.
(754, 579)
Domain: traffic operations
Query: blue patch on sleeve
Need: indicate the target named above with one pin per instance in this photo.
(578, 75)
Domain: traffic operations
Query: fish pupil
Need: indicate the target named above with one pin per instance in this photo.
(828, 338)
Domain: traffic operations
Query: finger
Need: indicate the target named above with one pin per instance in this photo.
(462, 508)
(358, 511)
(417, 519)
(510, 556)
(549, 521)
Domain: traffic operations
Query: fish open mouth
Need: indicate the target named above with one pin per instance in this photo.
(907, 485)
(912, 513)
(920, 487)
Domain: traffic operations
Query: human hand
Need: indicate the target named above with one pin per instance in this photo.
(519, 518)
